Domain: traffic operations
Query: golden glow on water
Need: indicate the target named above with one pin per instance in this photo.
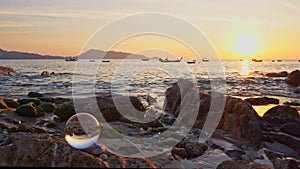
(245, 68)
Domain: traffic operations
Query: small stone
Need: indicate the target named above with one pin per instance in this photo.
(179, 152)
(24, 128)
(103, 157)
(11, 103)
(37, 102)
(94, 150)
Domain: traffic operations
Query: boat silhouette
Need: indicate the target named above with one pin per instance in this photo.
(167, 60)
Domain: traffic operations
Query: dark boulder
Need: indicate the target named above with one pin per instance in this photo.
(291, 129)
(262, 101)
(292, 103)
(239, 118)
(280, 74)
(294, 78)
(27, 110)
(241, 164)
(65, 110)
(280, 115)
(47, 107)
(26, 101)
(34, 94)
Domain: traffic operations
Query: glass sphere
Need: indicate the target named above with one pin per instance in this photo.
(82, 130)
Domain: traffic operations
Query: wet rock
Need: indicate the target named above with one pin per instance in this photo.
(194, 149)
(47, 107)
(294, 78)
(262, 101)
(37, 102)
(103, 157)
(179, 153)
(234, 154)
(280, 74)
(2, 103)
(175, 94)
(47, 99)
(95, 150)
(280, 115)
(60, 100)
(6, 71)
(23, 128)
(65, 110)
(287, 140)
(11, 103)
(292, 103)
(297, 91)
(45, 153)
(27, 110)
(291, 129)
(34, 94)
(242, 164)
(240, 119)
(281, 162)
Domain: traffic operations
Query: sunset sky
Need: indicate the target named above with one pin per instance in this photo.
(265, 29)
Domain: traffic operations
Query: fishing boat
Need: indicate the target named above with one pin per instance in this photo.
(191, 62)
(167, 60)
(256, 60)
(105, 60)
(279, 60)
(68, 59)
(145, 59)
(92, 60)
(205, 60)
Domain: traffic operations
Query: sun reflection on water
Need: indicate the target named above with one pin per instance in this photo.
(245, 68)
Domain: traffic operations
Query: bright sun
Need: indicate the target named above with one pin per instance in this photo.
(245, 45)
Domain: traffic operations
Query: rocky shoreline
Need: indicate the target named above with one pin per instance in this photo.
(32, 132)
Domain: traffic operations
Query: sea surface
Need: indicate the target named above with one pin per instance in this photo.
(136, 77)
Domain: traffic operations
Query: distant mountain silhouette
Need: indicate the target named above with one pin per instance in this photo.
(97, 54)
(90, 54)
(25, 55)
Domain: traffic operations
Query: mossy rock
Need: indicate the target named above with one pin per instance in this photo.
(27, 110)
(47, 99)
(37, 102)
(47, 107)
(40, 111)
(11, 103)
(65, 110)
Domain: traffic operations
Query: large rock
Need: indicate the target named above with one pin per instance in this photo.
(242, 164)
(291, 129)
(27, 110)
(47, 107)
(294, 78)
(31, 152)
(239, 118)
(65, 110)
(280, 74)
(4, 71)
(280, 115)
(262, 101)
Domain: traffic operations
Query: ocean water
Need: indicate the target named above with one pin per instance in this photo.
(136, 77)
